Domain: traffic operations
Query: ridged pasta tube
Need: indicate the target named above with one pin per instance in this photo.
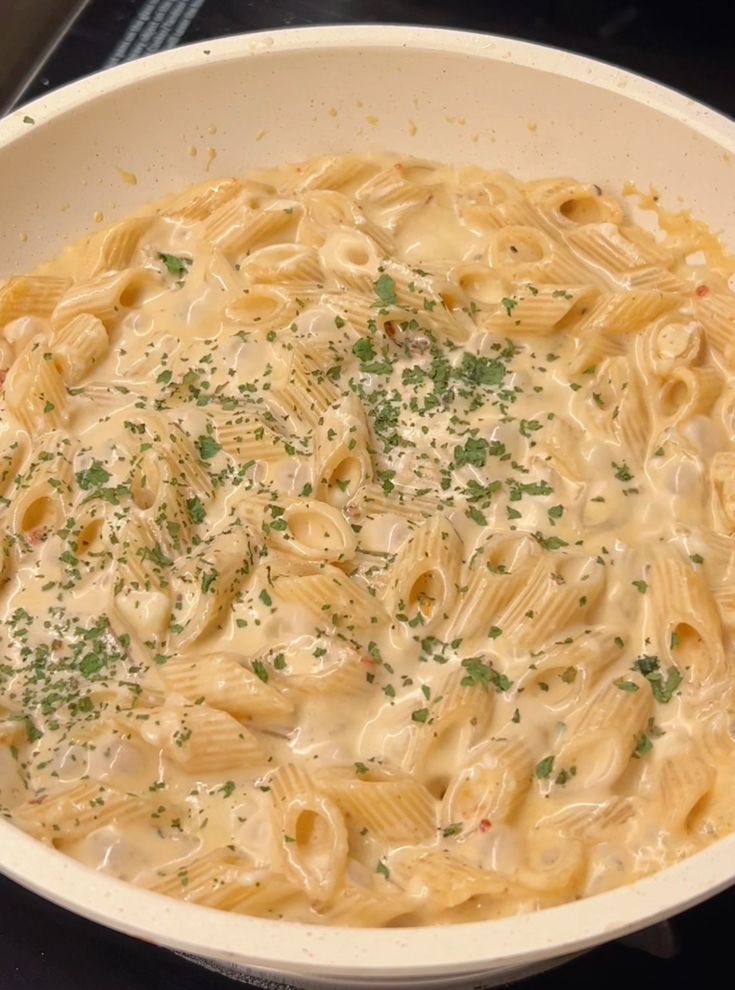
(311, 832)
(224, 683)
(424, 575)
(227, 881)
(490, 789)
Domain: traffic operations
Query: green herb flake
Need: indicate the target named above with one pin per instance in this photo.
(550, 542)
(484, 674)
(208, 581)
(175, 265)
(476, 516)
(663, 688)
(622, 471)
(207, 447)
(93, 477)
(545, 767)
(195, 508)
(382, 869)
(33, 733)
(385, 290)
(475, 452)
(643, 746)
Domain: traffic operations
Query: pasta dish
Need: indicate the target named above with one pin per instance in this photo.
(367, 544)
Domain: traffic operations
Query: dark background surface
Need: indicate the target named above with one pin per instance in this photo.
(691, 49)
(688, 46)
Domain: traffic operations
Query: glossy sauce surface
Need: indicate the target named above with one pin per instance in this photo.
(371, 562)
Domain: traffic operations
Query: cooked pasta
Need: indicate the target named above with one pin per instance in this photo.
(366, 545)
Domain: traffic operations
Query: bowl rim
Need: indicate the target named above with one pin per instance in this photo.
(282, 946)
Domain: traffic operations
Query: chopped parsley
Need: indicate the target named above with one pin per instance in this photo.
(94, 476)
(643, 746)
(175, 265)
(545, 767)
(207, 447)
(550, 542)
(663, 687)
(385, 290)
(484, 674)
(475, 451)
(195, 508)
(622, 471)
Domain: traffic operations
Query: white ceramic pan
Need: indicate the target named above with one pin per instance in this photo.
(108, 143)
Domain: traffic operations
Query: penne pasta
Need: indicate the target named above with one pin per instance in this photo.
(222, 681)
(312, 833)
(367, 544)
(200, 739)
(423, 579)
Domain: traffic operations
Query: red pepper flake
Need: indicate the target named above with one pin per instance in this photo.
(701, 291)
(485, 825)
(390, 328)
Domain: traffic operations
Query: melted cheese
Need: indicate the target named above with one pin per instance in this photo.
(332, 404)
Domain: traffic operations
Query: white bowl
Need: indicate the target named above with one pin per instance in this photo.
(69, 160)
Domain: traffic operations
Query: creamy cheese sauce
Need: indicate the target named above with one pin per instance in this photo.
(367, 544)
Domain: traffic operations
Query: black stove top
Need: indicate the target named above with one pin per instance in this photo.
(45, 948)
